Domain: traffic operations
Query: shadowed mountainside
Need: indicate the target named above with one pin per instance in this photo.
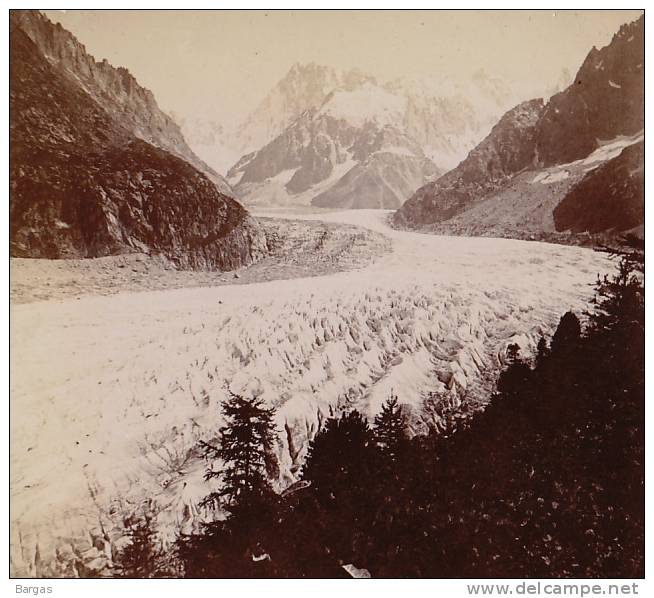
(611, 196)
(508, 149)
(114, 89)
(606, 99)
(83, 186)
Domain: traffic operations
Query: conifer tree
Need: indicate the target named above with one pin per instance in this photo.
(139, 559)
(567, 333)
(390, 428)
(245, 442)
(513, 378)
(542, 349)
(620, 299)
(341, 465)
(339, 457)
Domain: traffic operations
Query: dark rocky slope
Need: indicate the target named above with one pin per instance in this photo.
(82, 185)
(605, 101)
(114, 89)
(610, 197)
(311, 146)
(508, 149)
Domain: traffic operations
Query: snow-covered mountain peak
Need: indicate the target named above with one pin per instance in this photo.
(365, 103)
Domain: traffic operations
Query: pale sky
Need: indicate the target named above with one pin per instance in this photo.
(225, 61)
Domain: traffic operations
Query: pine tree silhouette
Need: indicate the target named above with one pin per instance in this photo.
(512, 380)
(245, 443)
(341, 461)
(620, 299)
(341, 466)
(567, 333)
(139, 559)
(390, 428)
(542, 349)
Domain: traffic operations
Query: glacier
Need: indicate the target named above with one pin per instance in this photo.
(110, 394)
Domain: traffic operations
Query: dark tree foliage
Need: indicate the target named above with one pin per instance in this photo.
(339, 463)
(512, 380)
(241, 462)
(390, 429)
(142, 557)
(340, 451)
(567, 333)
(542, 350)
(547, 481)
(619, 304)
(242, 457)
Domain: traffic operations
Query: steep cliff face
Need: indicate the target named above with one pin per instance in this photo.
(311, 147)
(82, 185)
(114, 89)
(508, 149)
(610, 197)
(606, 99)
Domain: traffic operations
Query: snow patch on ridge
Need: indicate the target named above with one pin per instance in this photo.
(397, 151)
(546, 178)
(607, 151)
(612, 149)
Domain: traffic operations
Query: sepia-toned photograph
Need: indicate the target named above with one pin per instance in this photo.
(326, 294)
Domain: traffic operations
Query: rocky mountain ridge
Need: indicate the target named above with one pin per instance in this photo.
(605, 99)
(524, 206)
(329, 162)
(304, 87)
(446, 118)
(603, 104)
(611, 196)
(507, 150)
(114, 88)
(83, 185)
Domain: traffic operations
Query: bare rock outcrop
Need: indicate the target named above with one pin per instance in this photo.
(606, 99)
(83, 185)
(114, 88)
